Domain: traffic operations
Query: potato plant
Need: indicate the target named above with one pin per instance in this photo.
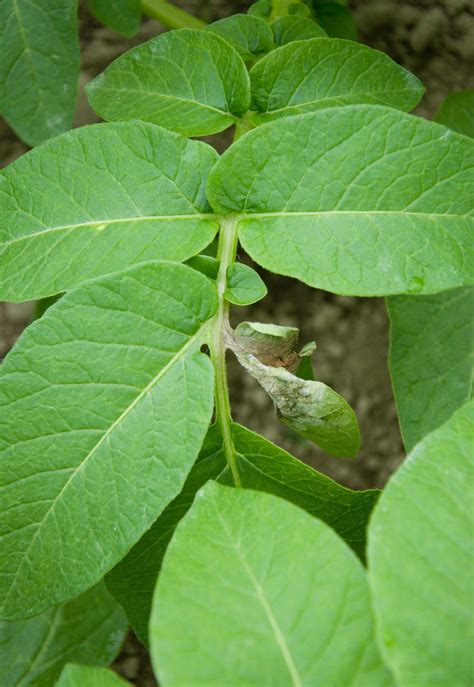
(129, 496)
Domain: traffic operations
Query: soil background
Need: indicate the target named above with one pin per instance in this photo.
(435, 40)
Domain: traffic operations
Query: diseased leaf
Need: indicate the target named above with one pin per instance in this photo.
(97, 200)
(122, 16)
(431, 358)
(38, 87)
(272, 344)
(266, 467)
(359, 200)
(335, 19)
(90, 629)
(312, 409)
(424, 605)
(244, 285)
(190, 81)
(133, 580)
(105, 403)
(85, 676)
(249, 35)
(294, 28)
(252, 578)
(309, 75)
(457, 112)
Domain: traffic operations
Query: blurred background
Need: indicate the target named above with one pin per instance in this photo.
(435, 40)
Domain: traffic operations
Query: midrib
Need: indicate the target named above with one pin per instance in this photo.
(180, 354)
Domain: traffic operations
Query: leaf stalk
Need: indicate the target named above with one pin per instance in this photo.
(226, 252)
(171, 16)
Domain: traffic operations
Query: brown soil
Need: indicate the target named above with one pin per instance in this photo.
(435, 40)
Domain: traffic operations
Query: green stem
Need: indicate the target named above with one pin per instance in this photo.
(279, 9)
(171, 16)
(244, 124)
(226, 252)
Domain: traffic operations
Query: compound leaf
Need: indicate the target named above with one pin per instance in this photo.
(133, 580)
(251, 36)
(87, 676)
(256, 581)
(457, 112)
(97, 200)
(38, 86)
(309, 75)
(244, 285)
(431, 358)
(122, 16)
(359, 200)
(294, 28)
(187, 80)
(426, 630)
(90, 628)
(105, 403)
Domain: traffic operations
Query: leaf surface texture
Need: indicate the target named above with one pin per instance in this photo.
(123, 194)
(105, 403)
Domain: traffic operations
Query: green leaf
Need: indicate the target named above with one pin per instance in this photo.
(122, 16)
(431, 347)
(85, 676)
(39, 67)
(421, 560)
(335, 19)
(457, 112)
(359, 200)
(266, 467)
(249, 35)
(133, 580)
(431, 358)
(90, 628)
(205, 264)
(97, 200)
(105, 403)
(262, 466)
(261, 8)
(254, 591)
(244, 285)
(309, 75)
(190, 81)
(294, 28)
